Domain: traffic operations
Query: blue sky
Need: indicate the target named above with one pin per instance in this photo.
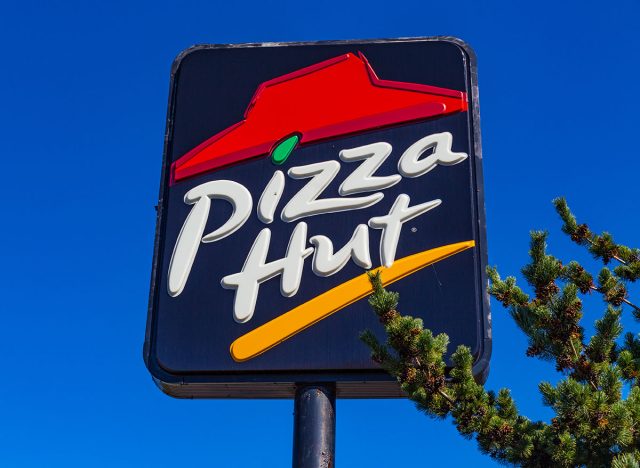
(84, 90)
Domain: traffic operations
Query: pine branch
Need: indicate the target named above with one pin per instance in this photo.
(614, 291)
(593, 425)
(624, 300)
(416, 359)
(450, 400)
(601, 246)
(629, 359)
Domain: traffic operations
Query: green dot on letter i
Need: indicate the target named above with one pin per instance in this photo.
(281, 152)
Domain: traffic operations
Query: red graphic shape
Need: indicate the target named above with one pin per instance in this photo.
(337, 97)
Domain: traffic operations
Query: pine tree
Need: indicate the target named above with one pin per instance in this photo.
(594, 425)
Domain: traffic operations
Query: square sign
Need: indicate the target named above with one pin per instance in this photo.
(289, 171)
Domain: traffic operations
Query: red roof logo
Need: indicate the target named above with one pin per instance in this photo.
(337, 97)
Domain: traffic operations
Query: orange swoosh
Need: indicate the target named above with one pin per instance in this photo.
(320, 307)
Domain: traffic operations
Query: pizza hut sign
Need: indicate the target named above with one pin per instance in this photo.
(344, 167)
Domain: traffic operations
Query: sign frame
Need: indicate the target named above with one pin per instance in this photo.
(361, 384)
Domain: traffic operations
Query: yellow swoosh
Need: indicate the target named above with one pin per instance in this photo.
(311, 312)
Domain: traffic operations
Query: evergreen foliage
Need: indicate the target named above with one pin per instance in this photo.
(594, 425)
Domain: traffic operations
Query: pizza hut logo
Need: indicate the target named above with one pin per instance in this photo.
(335, 98)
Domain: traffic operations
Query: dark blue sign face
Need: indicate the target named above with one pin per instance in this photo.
(289, 172)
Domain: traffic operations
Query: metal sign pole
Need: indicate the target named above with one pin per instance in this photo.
(314, 427)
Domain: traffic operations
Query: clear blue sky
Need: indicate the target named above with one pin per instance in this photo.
(83, 89)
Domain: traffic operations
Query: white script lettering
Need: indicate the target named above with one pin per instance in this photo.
(305, 203)
(440, 143)
(327, 263)
(186, 248)
(391, 224)
(362, 178)
(255, 271)
(419, 159)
